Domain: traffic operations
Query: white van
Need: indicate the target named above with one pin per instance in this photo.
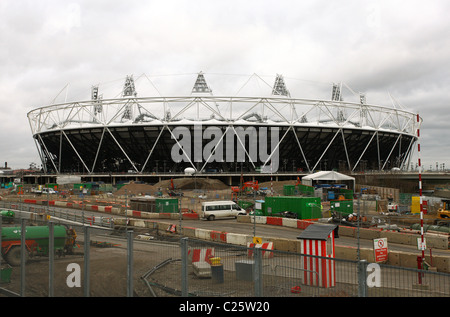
(46, 190)
(220, 209)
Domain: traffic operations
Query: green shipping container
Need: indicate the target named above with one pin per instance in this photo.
(166, 205)
(52, 185)
(342, 206)
(244, 204)
(303, 207)
(306, 190)
(82, 186)
(347, 193)
(289, 190)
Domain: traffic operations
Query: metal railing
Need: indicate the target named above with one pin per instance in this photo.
(59, 214)
(275, 273)
(154, 266)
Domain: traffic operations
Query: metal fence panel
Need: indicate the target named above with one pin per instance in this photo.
(283, 274)
(146, 266)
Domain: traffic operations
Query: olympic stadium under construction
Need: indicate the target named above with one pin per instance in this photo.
(268, 133)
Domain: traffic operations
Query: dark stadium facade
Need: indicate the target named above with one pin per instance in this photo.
(221, 134)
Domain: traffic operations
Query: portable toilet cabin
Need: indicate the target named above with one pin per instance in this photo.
(317, 244)
(259, 208)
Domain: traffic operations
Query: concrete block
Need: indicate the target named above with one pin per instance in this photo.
(347, 231)
(115, 211)
(436, 241)
(368, 233)
(407, 259)
(150, 224)
(288, 222)
(162, 226)
(60, 203)
(137, 223)
(287, 245)
(441, 263)
(202, 269)
(237, 239)
(244, 219)
(348, 253)
(189, 232)
(149, 215)
(393, 258)
(244, 270)
(367, 254)
(395, 237)
(119, 221)
(258, 219)
(203, 234)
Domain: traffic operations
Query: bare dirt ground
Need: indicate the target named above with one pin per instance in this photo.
(156, 269)
(108, 276)
(108, 266)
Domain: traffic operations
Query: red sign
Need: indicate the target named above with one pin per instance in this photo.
(381, 249)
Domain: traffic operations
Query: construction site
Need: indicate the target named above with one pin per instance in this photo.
(154, 212)
(204, 195)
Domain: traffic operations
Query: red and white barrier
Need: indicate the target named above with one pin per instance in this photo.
(265, 246)
(201, 255)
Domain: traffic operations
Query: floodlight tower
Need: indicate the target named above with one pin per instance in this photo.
(336, 92)
(279, 88)
(97, 100)
(336, 95)
(129, 90)
(201, 86)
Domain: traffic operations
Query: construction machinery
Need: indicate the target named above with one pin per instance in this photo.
(7, 216)
(444, 212)
(247, 187)
(443, 215)
(36, 242)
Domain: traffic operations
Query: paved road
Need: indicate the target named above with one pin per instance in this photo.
(232, 226)
(262, 230)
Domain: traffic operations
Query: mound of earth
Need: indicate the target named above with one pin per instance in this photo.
(179, 183)
(277, 186)
(193, 183)
(136, 189)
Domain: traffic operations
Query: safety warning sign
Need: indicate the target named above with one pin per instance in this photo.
(380, 248)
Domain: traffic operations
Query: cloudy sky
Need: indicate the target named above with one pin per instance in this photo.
(383, 48)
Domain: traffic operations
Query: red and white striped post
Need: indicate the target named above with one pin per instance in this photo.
(420, 191)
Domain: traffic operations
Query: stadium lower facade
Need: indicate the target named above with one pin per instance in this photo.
(234, 134)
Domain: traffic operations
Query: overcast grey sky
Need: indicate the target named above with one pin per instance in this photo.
(392, 47)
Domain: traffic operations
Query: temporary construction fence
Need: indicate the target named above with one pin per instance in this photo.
(255, 271)
(173, 266)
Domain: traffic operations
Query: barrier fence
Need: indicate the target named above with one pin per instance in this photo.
(244, 271)
(108, 262)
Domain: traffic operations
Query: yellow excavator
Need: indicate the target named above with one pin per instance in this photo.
(443, 214)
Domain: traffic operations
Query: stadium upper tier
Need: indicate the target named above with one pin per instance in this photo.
(273, 133)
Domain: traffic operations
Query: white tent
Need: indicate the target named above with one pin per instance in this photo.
(327, 176)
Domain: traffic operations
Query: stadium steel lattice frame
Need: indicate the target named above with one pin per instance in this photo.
(140, 134)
